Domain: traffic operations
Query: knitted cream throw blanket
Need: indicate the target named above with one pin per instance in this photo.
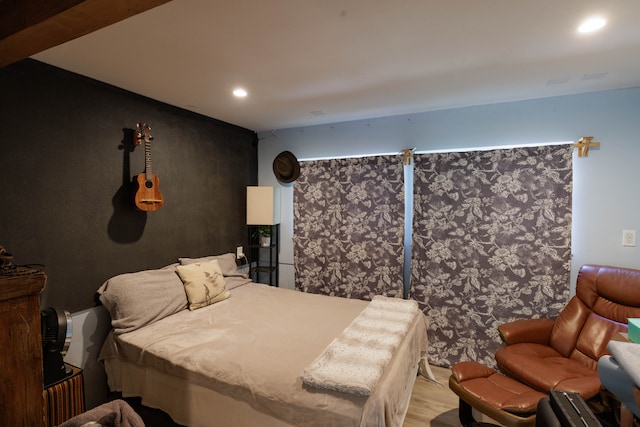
(355, 360)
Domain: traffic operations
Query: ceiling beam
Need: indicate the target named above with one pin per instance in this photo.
(31, 26)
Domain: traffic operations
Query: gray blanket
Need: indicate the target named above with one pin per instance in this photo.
(116, 413)
(628, 356)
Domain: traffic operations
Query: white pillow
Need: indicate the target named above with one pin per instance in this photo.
(227, 262)
(203, 283)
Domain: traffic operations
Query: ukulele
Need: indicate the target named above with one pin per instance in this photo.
(148, 196)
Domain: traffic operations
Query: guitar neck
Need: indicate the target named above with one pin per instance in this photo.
(147, 160)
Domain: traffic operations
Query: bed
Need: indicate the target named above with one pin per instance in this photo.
(248, 355)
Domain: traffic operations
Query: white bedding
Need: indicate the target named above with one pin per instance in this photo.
(250, 351)
(355, 360)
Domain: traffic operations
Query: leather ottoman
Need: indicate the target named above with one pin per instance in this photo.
(501, 398)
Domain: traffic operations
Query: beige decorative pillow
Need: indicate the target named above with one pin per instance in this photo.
(203, 282)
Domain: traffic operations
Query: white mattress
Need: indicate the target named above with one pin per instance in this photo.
(242, 359)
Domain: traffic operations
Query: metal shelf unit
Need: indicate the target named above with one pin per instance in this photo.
(264, 260)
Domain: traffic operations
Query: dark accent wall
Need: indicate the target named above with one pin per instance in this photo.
(67, 164)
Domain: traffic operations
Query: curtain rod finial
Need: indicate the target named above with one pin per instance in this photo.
(407, 155)
(583, 145)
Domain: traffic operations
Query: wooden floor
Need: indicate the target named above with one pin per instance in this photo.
(433, 404)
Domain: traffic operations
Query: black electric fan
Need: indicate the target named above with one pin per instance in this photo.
(56, 329)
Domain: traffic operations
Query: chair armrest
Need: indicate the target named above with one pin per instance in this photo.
(527, 330)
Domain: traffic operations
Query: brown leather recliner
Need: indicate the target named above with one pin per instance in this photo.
(563, 353)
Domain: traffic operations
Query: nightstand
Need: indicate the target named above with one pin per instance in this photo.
(65, 399)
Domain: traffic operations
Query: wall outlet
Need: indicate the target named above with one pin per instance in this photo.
(628, 237)
(239, 252)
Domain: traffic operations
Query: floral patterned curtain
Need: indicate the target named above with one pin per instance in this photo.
(491, 244)
(348, 217)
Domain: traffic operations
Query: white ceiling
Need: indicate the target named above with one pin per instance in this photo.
(308, 62)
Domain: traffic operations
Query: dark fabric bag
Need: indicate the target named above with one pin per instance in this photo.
(565, 409)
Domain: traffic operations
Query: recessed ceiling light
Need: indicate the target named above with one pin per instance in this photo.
(592, 24)
(239, 93)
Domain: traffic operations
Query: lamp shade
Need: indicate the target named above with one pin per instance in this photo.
(263, 205)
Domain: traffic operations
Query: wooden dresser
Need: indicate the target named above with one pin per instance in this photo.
(21, 401)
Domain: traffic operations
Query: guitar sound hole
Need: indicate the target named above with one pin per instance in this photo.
(148, 184)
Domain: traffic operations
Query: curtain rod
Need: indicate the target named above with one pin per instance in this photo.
(494, 147)
(438, 151)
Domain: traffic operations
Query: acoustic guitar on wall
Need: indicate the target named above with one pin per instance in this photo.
(148, 196)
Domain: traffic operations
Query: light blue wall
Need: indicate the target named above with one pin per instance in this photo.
(606, 196)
